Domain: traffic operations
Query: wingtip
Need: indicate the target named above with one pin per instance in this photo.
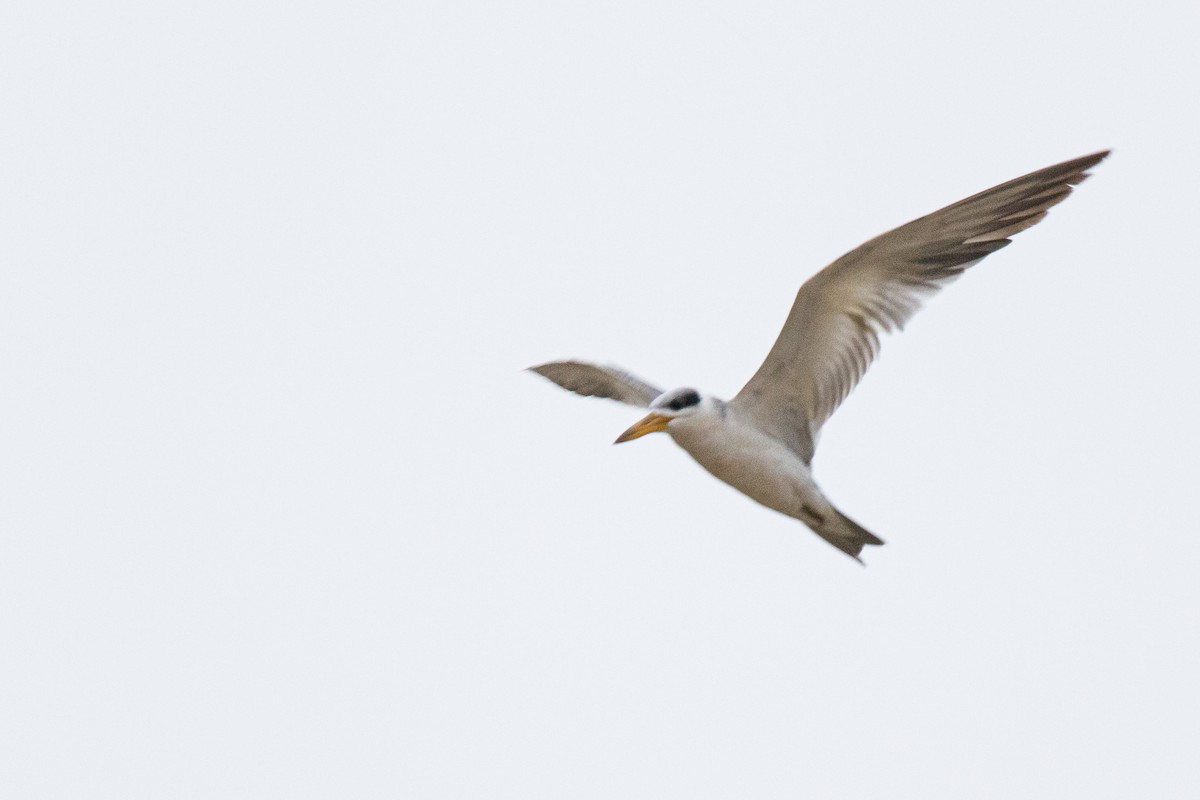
(1092, 159)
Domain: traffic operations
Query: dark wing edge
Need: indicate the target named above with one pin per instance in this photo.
(832, 333)
(594, 380)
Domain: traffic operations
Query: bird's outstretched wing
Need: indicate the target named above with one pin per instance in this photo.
(832, 333)
(593, 380)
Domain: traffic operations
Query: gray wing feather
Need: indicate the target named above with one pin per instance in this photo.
(593, 380)
(831, 335)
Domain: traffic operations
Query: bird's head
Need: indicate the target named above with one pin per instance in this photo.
(673, 405)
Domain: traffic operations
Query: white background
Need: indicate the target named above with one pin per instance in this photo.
(281, 515)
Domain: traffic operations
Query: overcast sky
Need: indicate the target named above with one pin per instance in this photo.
(282, 516)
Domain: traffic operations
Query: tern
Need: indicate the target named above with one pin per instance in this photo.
(762, 441)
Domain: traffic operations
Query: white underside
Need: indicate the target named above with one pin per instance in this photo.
(750, 461)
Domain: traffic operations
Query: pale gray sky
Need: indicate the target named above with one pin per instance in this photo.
(283, 517)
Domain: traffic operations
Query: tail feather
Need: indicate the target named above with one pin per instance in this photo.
(846, 535)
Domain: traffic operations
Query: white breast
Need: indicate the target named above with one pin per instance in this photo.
(746, 458)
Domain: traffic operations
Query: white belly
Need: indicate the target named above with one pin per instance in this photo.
(750, 461)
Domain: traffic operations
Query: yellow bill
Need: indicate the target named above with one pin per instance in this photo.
(647, 424)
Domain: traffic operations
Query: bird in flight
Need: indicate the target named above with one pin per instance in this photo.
(762, 441)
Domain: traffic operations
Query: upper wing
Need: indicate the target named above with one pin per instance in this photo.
(832, 333)
(593, 380)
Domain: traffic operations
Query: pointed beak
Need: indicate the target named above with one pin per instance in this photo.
(647, 424)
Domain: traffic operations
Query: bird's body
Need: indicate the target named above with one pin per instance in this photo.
(761, 467)
(749, 460)
(762, 441)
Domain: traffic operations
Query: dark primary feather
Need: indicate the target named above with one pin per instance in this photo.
(831, 335)
(593, 380)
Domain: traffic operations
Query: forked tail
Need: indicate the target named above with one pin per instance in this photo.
(845, 534)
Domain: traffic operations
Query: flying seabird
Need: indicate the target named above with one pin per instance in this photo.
(762, 441)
